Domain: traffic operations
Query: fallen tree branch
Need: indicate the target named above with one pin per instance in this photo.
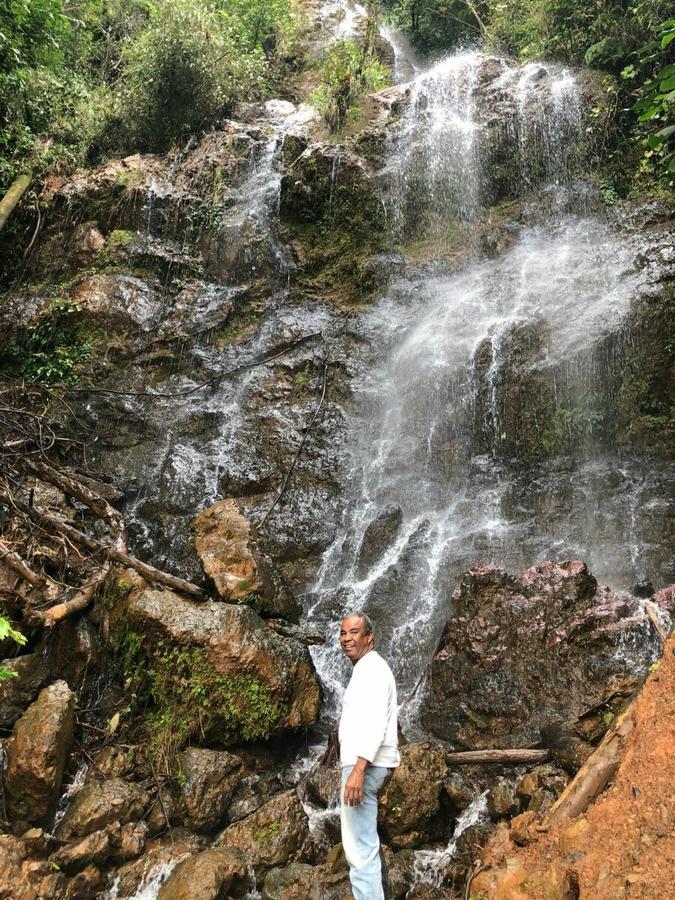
(505, 757)
(43, 518)
(80, 491)
(18, 565)
(596, 772)
(80, 601)
(14, 193)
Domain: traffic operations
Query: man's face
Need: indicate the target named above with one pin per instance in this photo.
(353, 638)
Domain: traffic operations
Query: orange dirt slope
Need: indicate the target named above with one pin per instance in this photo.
(624, 845)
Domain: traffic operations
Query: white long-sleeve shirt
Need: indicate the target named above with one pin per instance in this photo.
(369, 720)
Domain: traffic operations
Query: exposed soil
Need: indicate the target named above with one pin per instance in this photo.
(628, 848)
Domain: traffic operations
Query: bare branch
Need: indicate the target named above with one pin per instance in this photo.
(79, 602)
(82, 492)
(15, 562)
(43, 518)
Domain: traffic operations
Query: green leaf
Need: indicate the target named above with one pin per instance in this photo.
(666, 39)
(668, 84)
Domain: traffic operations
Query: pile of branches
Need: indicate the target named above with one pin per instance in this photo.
(60, 530)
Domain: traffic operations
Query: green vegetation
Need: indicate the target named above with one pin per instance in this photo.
(349, 70)
(265, 834)
(82, 79)
(8, 632)
(52, 348)
(184, 696)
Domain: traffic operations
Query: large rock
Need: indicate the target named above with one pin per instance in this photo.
(215, 874)
(521, 653)
(218, 668)
(210, 777)
(273, 836)
(37, 753)
(18, 692)
(101, 803)
(411, 804)
(23, 878)
(228, 548)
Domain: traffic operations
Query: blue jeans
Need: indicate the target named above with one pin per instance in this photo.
(360, 840)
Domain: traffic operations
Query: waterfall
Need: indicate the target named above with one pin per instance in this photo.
(448, 402)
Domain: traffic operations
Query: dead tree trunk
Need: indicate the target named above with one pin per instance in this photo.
(598, 770)
(505, 757)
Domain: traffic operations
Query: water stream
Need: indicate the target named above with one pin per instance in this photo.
(431, 441)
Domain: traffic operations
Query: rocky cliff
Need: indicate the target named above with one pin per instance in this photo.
(280, 372)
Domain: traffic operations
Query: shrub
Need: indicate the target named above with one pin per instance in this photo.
(183, 73)
(348, 71)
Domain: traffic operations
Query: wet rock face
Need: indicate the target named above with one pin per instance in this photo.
(210, 778)
(37, 753)
(272, 836)
(101, 803)
(378, 536)
(522, 652)
(411, 804)
(215, 874)
(223, 661)
(227, 546)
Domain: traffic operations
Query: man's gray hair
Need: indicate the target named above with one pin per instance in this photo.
(357, 614)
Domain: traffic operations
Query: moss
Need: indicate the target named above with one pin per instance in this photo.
(646, 413)
(272, 830)
(191, 698)
(236, 328)
(183, 697)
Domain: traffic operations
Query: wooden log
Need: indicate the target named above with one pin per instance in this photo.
(79, 602)
(74, 488)
(41, 517)
(503, 757)
(598, 770)
(15, 192)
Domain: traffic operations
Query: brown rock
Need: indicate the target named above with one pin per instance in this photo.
(95, 848)
(228, 548)
(24, 879)
(210, 778)
(502, 800)
(573, 837)
(131, 876)
(279, 882)
(245, 682)
(17, 693)
(37, 753)
(85, 885)
(272, 836)
(527, 785)
(522, 829)
(100, 803)
(410, 805)
(523, 652)
(215, 874)
(131, 840)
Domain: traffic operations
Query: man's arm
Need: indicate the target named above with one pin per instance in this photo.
(355, 782)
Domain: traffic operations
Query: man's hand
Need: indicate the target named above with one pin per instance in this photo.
(354, 783)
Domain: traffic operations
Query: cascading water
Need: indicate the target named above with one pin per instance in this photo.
(434, 446)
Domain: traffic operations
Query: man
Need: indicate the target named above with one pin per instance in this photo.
(368, 753)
